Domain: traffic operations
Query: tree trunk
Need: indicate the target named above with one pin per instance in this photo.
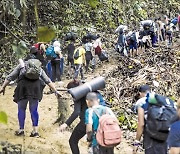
(36, 12)
(63, 109)
(24, 19)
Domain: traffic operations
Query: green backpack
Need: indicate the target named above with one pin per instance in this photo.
(33, 69)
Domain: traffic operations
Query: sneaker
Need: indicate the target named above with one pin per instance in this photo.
(34, 135)
(19, 133)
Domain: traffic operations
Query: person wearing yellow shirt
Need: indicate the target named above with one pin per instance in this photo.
(79, 60)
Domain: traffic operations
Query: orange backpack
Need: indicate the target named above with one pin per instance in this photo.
(108, 133)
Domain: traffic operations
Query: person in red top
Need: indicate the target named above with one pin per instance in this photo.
(97, 46)
(40, 46)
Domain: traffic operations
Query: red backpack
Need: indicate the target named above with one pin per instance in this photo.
(108, 133)
(37, 46)
(98, 50)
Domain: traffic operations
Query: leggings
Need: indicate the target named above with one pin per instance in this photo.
(78, 132)
(33, 106)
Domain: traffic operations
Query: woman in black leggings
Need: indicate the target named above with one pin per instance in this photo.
(79, 131)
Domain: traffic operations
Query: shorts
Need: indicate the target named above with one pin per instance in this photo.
(133, 45)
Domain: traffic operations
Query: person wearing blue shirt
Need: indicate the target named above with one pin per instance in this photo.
(174, 134)
(92, 122)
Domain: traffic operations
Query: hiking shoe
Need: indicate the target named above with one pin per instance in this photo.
(19, 133)
(34, 135)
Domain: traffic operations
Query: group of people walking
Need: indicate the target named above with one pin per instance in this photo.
(78, 55)
(150, 34)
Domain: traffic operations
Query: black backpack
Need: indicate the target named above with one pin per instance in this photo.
(71, 36)
(76, 55)
(160, 117)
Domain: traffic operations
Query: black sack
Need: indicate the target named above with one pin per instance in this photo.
(88, 37)
(160, 117)
(82, 90)
(103, 56)
(70, 36)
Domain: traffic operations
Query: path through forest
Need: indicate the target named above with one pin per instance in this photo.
(51, 141)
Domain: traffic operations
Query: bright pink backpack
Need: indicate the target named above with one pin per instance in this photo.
(108, 133)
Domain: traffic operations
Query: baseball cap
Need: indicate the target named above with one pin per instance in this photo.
(144, 88)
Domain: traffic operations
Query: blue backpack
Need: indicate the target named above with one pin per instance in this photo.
(174, 21)
(101, 99)
(50, 53)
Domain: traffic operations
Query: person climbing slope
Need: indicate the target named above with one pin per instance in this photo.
(30, 83)
(80, 107)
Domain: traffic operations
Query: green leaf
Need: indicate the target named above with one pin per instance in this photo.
(3, 117)
(45, 34)
(93, 3)
(19, 49)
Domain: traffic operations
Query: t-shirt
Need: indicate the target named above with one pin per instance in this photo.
(143, 104)
(81, 53)
(88, 47)
(92, 118)
(174, 135)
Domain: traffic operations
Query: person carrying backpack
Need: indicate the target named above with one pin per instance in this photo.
(40, 47)
(174, 134)
(169, 35)
(79, 60)
(39, 50)
(149, 29)
(80, 107)
(104, 136)
(70, 49)
(132, 42)
(155, 114)
(31, 80)
(88, 47)
(55, 62)
(97, 45)
(70, 59)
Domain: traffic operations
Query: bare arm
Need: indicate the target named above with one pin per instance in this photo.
(89, 131)
(174, 150)
(51, 85)
(140, 127)
(43, 47)
(11, 77)
(2, 90)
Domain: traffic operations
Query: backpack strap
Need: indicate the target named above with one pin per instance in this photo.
(96, 112)
(105, 111)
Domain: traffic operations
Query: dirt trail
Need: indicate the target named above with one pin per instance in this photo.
(51, 141)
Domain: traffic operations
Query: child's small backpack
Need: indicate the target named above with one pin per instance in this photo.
(108, 133)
